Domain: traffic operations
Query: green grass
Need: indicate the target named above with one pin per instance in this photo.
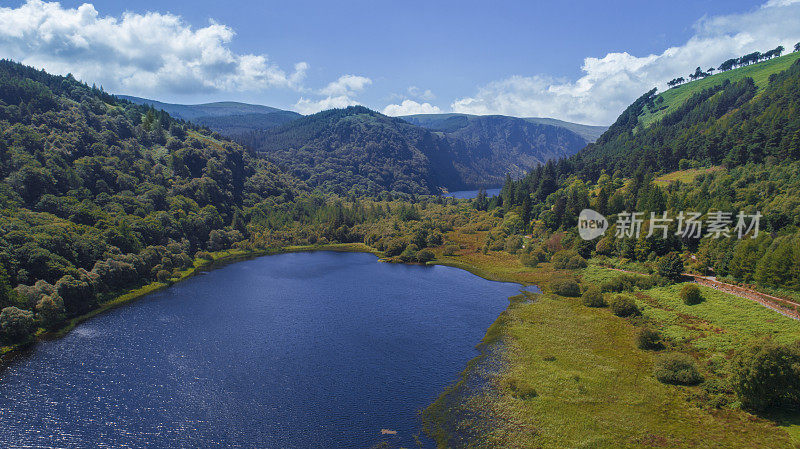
(720, 324)
(594, 388)
(684, 176)
(676, 96)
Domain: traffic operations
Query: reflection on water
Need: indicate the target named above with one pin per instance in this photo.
(257, 354)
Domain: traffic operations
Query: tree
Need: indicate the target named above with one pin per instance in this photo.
(50, 310)
(16, 324)
(481, 203)
(767, 375)
(671, 266)
(797, 46)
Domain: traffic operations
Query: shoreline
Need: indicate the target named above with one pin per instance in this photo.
(200, 265)
(221, 258)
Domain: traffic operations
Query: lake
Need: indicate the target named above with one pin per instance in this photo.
(469, 194)
(319, 349)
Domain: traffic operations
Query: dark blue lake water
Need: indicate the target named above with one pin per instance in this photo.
(469, 194)
(306, 350)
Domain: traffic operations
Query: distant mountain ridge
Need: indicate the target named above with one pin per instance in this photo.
(453, 121)
(229, 118)
(368, 151)
(342, 149)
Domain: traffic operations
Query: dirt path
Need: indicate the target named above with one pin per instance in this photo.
(781, 305)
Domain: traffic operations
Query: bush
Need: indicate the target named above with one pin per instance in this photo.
(671, 267)
(593, 297)
(568, 259)
(677, 369)
(513, 244)
(204, 255)
(629, 282)
(163, 276)
(576, 262)
(529, 260)
(767, 375)
(649, 339)
(16, 324)
(691, 295)
(450, 250)
(624, 306)
(565, 287)
(425, 256)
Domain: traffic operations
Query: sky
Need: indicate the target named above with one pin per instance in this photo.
(580, 61)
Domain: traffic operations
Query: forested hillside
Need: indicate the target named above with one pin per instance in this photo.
(99, 194)
(231, 119)
(750, 141)
(729, 123)
(361, 150)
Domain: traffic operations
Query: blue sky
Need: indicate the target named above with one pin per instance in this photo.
(514, 57)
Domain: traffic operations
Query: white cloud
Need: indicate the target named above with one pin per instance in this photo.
(409, 107)
(306, 106)
(340, 94)
(151, 53)
(416, 92)
(346, 85)
(612, 82)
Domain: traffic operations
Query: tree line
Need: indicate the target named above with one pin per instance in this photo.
(733, 63)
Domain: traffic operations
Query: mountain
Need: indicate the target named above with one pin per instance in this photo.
(736, 117)
(229, 118)
(364, 151)
(98, 194)
(453, 122)
(357, 149)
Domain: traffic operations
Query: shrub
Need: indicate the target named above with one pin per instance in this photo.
(576, 262)
(624, 306)
(593, 297)
(529, 260)
(450, 250)
(163, 276)
(425, 255)
(649, 339)
(629, 282)
(691, 295)
(513, 244)
(568, 259)
(410, 253)
(204, 255)
(16, 324)
(767, 375)
(565, 287)
(677, 369)
(671, 267)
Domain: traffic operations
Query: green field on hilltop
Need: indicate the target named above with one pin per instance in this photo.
(676, 96)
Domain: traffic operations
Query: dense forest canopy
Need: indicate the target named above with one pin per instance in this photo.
(99, 194)
(744, 146)
(361, 151)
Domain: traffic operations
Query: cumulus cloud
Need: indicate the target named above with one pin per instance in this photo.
(416, 92)
(339, 94)
(409, 107)
(612, 82)
(147, 53)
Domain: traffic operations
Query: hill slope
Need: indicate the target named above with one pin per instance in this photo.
(669, 101)
(99, 194)
(361, 149)
(357, 149)
(730, 123)
(229, 118)
(454, 121)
